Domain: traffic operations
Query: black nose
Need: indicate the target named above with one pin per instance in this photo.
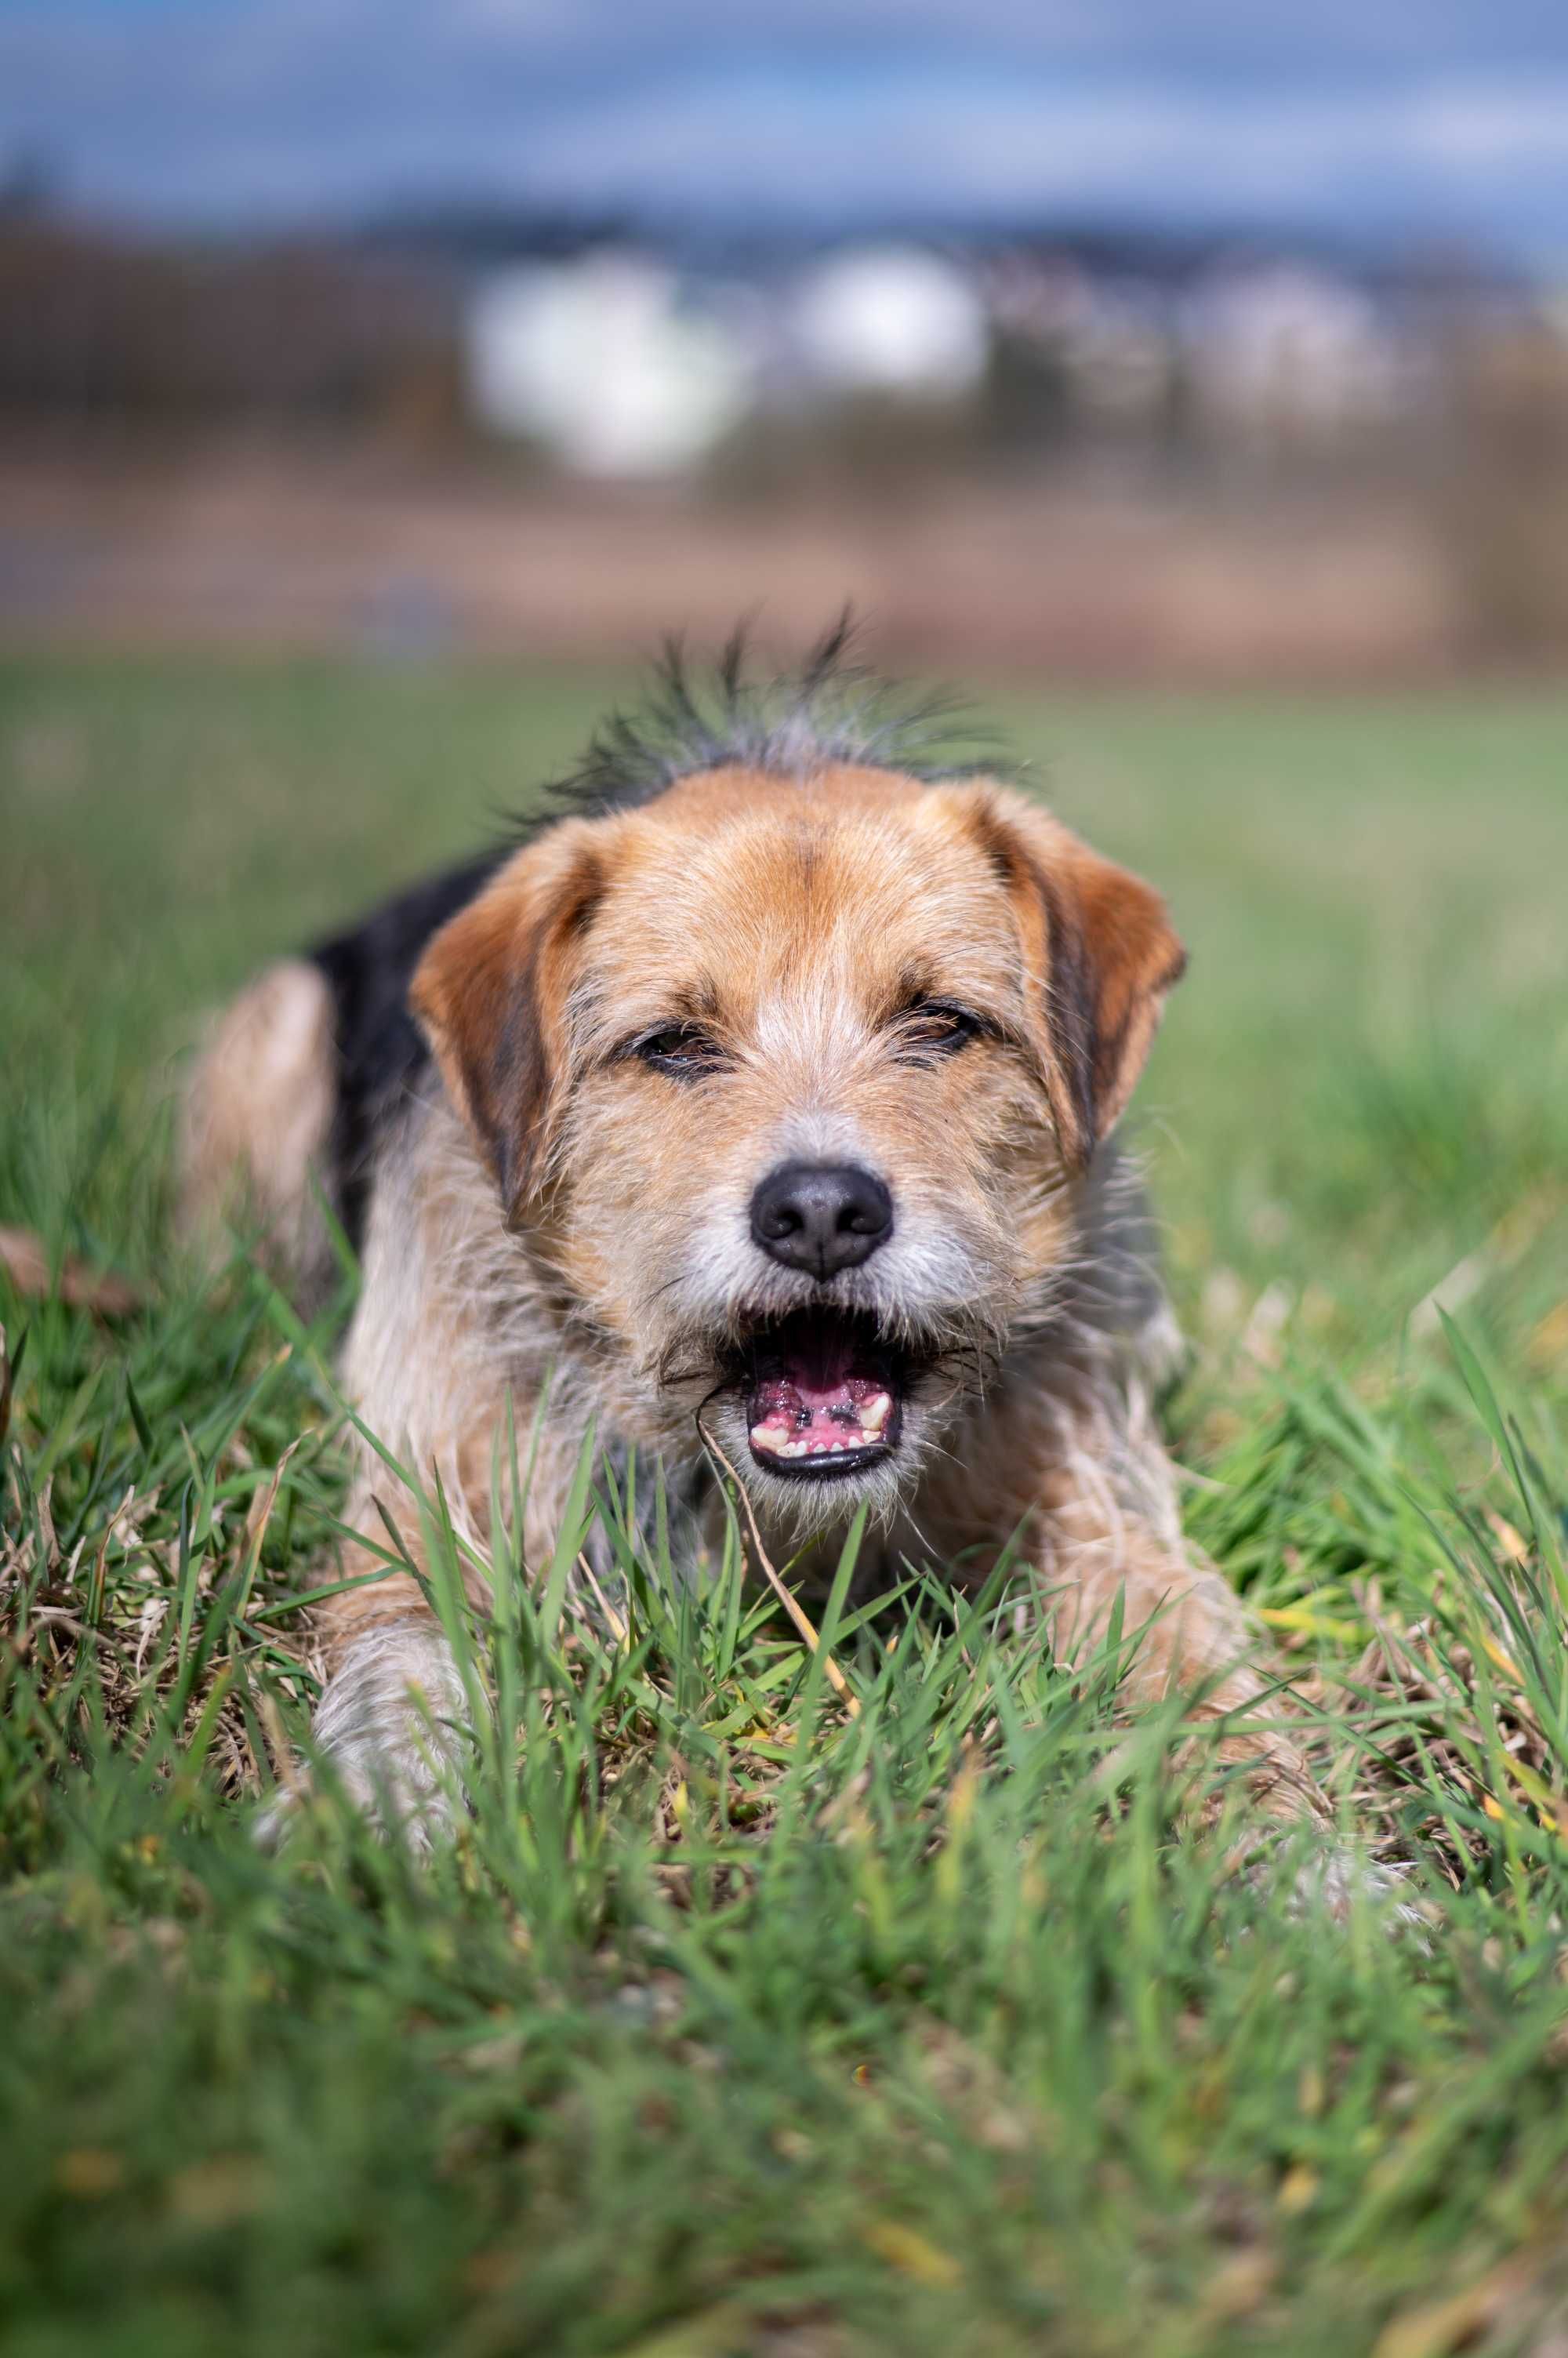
(821, 1217)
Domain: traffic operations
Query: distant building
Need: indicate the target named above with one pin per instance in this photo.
(606, 362)
(888, 319)
(1290, 347)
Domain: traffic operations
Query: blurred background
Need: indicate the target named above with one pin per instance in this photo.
(1180, 339)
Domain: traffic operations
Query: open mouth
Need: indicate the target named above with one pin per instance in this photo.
(824, 1395)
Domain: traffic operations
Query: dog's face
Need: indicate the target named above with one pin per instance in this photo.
(786, 1084)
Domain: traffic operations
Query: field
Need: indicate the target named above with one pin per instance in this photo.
(736, 2025)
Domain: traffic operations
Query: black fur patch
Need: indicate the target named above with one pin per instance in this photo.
(381, 1052)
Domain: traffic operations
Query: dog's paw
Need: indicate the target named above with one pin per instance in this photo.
(1337, 1879)
(389, 1727)
(1332, 1880)
(270, 1826)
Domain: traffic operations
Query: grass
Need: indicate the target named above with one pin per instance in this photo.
(737, 2023)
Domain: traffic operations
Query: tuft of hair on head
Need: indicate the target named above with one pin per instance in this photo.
(831, 710)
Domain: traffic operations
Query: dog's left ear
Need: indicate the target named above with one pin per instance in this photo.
(490, 995)
(1101, 954)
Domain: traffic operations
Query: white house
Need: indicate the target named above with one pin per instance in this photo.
(607, 363)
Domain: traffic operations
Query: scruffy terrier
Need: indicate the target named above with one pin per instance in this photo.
(768, 1087)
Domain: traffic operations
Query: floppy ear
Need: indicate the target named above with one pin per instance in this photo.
(1101, 953)
(490, 996)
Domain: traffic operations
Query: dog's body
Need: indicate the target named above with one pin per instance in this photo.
(771, 1105)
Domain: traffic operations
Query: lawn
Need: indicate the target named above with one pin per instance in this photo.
(737, 2024)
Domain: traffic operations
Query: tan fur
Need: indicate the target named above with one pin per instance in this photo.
(558, 1213)
(255, 1124)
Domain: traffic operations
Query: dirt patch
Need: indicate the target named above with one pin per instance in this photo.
(238, 548)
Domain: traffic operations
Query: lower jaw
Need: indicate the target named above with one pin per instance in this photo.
(839, 1466)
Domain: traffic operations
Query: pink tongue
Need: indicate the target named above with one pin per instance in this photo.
(807, 1410)
(792, 1417)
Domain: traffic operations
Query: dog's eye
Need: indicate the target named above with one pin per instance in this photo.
(681, 1051)
(932, 1027)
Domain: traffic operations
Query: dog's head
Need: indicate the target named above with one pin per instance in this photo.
(786, 1084)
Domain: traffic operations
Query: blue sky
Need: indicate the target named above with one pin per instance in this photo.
(1387, 118)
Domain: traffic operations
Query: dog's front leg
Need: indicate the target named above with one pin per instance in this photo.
(1186, 1633)
(1073, 1471)
(1189, 1635)
(391, 1721)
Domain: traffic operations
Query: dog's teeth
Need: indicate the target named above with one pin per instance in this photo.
(852, 1429)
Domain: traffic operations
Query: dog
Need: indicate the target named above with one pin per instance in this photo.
(762, 1102)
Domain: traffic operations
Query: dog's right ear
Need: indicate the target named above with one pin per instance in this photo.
(490, 995)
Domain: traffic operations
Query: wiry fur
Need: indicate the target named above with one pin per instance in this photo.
(832, 711)
(390, 1731)
(557, 1228)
